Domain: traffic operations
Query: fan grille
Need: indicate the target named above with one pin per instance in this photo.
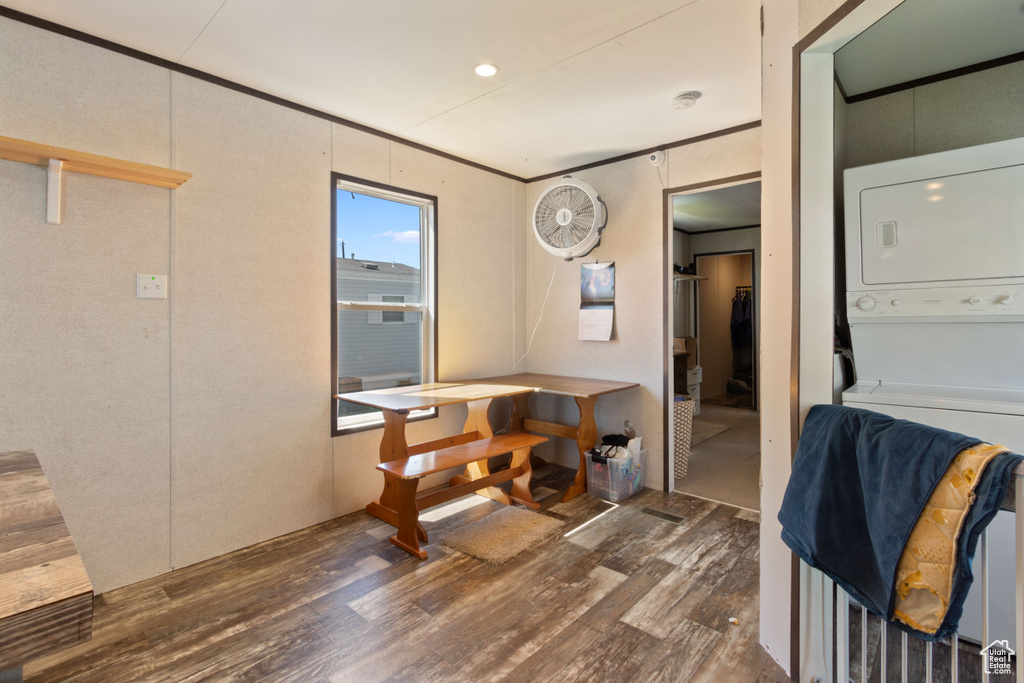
(578, 202)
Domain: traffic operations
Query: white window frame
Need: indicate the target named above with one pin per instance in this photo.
(427, 308)
(376, 317)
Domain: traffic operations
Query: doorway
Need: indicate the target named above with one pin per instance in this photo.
(716, 255)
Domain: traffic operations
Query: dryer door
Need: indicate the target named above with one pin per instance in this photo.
(964, 227)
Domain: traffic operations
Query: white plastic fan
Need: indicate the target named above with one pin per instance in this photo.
(569, 218)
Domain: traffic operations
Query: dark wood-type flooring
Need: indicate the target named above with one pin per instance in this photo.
(627, 596)
(745, 401)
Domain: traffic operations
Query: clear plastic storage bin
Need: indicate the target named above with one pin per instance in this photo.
(615, 479)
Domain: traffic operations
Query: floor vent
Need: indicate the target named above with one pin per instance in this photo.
(667, 516)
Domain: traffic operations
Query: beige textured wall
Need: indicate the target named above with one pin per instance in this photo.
(251, 451)
(960, 112)
(84, 366)
(634, 238)
(178, 430)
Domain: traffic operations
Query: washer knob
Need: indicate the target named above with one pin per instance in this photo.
(1005, 299)
(896, 302)
(865, 303)
(974, 300)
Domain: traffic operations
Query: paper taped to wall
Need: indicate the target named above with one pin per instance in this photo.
(597, 301)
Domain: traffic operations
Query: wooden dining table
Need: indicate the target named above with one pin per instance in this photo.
(396, 404)
(584, 391)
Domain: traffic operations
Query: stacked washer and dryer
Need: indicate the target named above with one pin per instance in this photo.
(935, 304)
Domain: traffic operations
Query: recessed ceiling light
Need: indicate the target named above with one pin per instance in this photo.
(685, 100)
(485, 70)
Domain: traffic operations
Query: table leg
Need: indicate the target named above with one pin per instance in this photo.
(586, 437)
(520, 412)
(476, 421)
(392, 447)
(476, 418)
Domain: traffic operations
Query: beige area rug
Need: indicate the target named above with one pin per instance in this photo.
(502, 535)
(702, 431)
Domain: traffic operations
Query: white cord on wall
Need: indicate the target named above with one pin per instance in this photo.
(540, 316)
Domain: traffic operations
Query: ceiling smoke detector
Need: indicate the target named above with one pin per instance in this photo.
(685, 100)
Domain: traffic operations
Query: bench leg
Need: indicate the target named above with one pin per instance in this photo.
(390, 514)
(521, 484)
(479, 470)
(409, 527)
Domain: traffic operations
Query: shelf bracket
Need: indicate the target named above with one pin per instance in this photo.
(54, 191)
(59, 159)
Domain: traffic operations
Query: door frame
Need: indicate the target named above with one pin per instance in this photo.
(667, 313)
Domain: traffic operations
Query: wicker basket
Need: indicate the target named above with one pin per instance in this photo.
(682, 421)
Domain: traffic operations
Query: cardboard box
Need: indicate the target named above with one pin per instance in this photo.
(686, 345)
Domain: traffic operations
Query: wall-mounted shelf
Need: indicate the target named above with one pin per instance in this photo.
(59, 159)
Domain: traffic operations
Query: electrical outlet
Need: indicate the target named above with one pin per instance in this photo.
(150, 286)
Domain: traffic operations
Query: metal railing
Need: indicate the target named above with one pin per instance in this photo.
(836, 650)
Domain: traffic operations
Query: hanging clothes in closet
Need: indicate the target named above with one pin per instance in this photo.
(740, 326)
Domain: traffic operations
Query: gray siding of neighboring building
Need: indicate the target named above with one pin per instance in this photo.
(370, 349)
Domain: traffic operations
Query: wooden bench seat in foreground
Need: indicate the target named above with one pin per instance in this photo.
(45, 594)
(402, 477)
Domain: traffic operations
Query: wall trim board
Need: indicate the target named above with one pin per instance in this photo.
(666, 279)
(708, 232)
(839, 85)
(928, 80)
(643, 152)
(725, 252)
(794, 349)
(719, 182)
(667, 474)
(803, 44)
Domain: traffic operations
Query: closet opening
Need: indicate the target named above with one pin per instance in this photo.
(714, 370)
(726, 329)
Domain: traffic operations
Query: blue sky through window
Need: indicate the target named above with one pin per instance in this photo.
(375, 229)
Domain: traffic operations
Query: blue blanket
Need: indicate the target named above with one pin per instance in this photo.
(859, 482)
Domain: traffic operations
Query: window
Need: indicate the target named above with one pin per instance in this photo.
(383, 280)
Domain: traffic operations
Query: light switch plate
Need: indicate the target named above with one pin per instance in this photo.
(150, 286)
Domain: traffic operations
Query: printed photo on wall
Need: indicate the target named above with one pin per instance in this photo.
(597, 301)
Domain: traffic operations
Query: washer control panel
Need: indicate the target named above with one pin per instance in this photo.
(937, 302)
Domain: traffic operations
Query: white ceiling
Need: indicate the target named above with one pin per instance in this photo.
(580, 80)
(922, 38)
(735, 206)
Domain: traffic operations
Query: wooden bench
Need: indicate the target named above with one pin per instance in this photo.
(403, 477)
